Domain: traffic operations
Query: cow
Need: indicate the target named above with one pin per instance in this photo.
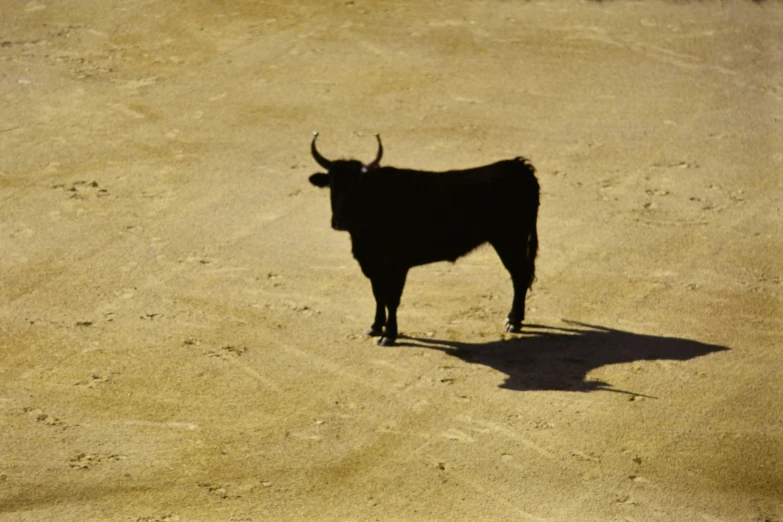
(401, 218)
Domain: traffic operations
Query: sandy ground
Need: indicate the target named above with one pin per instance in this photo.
(181, 331)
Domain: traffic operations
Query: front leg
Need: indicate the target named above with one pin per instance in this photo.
(393, 285)
(376, 330)
(390, 332)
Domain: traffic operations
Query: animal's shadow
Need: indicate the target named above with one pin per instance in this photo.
(548, 358)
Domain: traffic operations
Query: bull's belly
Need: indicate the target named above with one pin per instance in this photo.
(408, 250)
(451, 253)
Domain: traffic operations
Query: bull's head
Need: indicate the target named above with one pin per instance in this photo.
(344, 178)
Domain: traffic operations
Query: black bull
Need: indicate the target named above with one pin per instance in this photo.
(400, 218)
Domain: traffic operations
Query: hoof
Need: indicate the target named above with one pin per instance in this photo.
(510, 328)
(373, 332)
(385, 341)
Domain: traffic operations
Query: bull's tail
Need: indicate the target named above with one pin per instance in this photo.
(525, 191)
(531, 251)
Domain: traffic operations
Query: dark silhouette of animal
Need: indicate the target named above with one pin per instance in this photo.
(401, 218)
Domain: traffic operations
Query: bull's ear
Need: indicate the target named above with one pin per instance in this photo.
(319, 179)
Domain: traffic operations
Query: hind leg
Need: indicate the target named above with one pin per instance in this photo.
(515, 259)
(517, 313)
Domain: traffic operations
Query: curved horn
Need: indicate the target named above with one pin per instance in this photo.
(376, 162)
(325, 163)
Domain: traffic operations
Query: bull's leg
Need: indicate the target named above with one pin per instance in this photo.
(376, 330)
(517, 313)
(514, 258)
(395, 282)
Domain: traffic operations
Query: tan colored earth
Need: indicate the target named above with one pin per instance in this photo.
(181, 332)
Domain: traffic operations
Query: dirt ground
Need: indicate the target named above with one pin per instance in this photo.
(181, 332)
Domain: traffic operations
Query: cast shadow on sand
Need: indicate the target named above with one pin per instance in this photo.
(551, 358)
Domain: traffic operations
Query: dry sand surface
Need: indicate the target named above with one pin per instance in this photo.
(181, 332)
